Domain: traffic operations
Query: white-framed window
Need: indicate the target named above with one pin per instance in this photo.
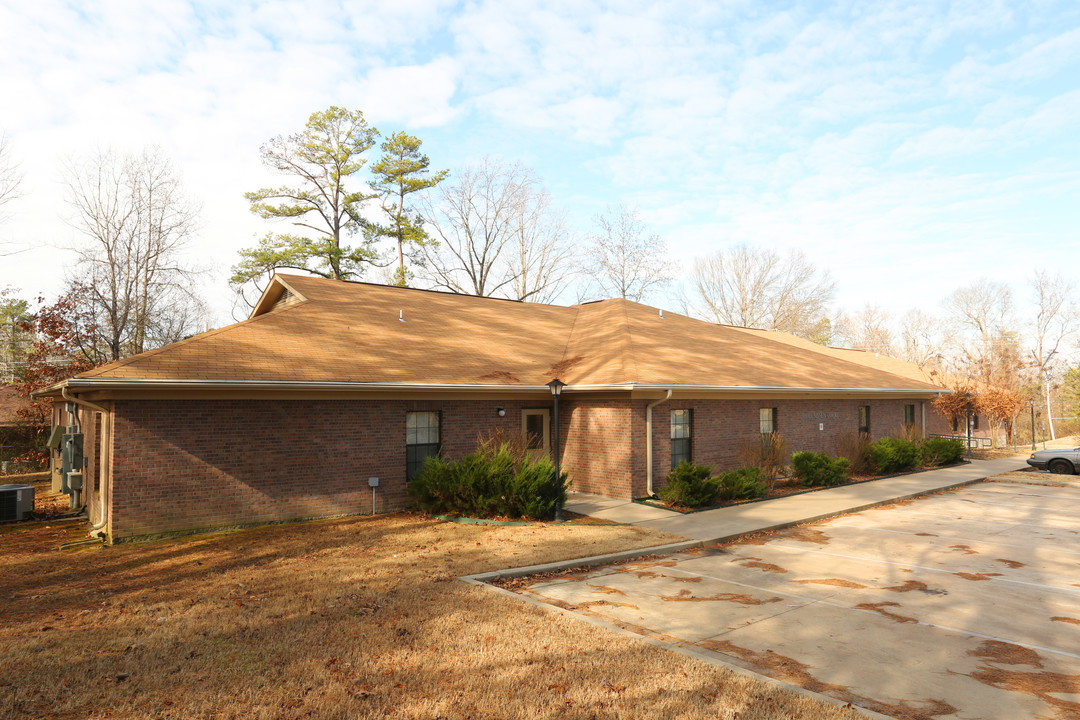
(681, 431)
(422, 440)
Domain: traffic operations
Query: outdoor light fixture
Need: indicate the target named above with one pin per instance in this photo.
(501, 411)
(556, 387)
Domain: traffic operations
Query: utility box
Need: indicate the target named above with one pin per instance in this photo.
(16, 502)
(74, 481)
(71, 458)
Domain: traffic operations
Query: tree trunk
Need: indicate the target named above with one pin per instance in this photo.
(1049, 415)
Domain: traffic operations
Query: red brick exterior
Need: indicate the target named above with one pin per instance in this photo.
(190, 464)
(182, 465)
(721, 427)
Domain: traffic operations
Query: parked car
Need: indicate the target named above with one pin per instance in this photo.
(1064, 461)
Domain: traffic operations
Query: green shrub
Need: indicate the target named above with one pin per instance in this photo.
(494, 481)
(820, 469)
(894, 454)
(744, 484)
(690, 486)
(942, 451)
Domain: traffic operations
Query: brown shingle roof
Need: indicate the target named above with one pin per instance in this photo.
(351, 332)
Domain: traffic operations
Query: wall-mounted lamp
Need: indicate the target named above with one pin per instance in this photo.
(501, 411)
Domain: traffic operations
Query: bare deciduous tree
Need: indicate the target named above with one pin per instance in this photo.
(923, 337)
(498, 235)
(984, 310)
(131, 288)
(624, 258)
(10, 177)
(1056, 319)
(756, 287)
(867, 329)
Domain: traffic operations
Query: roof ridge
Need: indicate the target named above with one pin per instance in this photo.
(570, 335)
(447, 293)
(115, 364)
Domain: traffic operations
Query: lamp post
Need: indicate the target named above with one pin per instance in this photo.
(556, 387)
(1031, 404)
(967, 396)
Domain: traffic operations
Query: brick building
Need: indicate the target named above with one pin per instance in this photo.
(329, 383)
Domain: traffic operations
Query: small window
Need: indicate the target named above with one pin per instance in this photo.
(974, 421)
(421, 440)
(909, 414)
(864, 419)
(767, 420)
(955, 423)
(680, 437)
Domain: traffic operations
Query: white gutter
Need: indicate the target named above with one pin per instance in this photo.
(142, 383)
(106, 436)
(648, 441)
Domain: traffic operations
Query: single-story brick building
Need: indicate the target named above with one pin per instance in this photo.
(329, 383)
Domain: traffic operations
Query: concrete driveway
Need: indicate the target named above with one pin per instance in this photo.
(959, 605)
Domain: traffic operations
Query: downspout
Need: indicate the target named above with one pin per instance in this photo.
(106, 487)
(648, 441)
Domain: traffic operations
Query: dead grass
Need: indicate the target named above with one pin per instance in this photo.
(356, 618)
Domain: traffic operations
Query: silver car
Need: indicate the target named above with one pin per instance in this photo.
(1063, 461)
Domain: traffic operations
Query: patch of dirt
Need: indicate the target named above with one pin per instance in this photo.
(691, 579)
(926, 534)
(601, 603)
(739, 598)
(797, 673)
(913, 585)
(1007, 653)
(563, 365)
(880, 609)
(976, 577)
(759, 564)
(605, 589)
(808, 534)
(1010, 563)
(1062, 618)
(964, 549)
(838, 582)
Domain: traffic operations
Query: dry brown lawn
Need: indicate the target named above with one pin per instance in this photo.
(346, 618)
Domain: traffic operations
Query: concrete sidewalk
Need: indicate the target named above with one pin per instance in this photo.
(724, 523)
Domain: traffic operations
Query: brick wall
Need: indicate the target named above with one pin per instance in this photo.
(721, 427)
(596, 446)
(189, 464)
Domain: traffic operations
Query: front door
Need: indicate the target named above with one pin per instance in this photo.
(536, 427)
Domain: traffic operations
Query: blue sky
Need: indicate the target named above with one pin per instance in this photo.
(907, 147)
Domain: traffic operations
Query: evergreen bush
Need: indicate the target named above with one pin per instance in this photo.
(744, 484)
(942, 451)
(494, 481)
(820, 469)
(894, 455)
(689, 485)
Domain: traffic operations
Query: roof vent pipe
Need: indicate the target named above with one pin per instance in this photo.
(401, 315)
(661, 314)
(648, 442)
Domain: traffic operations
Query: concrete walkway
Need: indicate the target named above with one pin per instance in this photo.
(724, 523)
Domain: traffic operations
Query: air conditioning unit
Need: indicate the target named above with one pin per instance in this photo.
(16, 502)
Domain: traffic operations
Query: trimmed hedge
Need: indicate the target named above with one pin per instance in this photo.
(942, 451)
(689, 485)
(820, 469)
(894, 455)
(494, 481)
